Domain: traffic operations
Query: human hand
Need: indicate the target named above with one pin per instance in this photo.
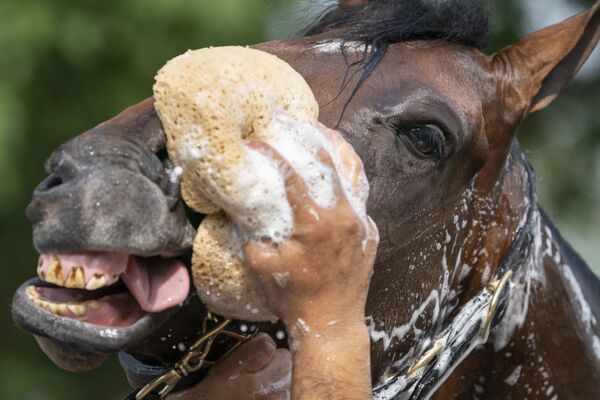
(323, 270)
(317, 282)
(257, 370)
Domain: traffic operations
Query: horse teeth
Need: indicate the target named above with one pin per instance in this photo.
(61, 309)
(93, 304)
(96, 282)
(113, 280)
(77, 309)
(32, 293)
(76, 279)
(58, 309)
(54, 273)
(39, 302)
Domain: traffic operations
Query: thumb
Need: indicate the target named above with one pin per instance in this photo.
(250, 357)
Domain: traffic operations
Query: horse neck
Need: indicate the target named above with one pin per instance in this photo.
(462, 252)
(446, 261)
(548, 342)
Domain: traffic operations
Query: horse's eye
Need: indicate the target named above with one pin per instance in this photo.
(427, 140)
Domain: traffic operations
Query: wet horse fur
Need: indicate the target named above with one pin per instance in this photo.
(434, 120)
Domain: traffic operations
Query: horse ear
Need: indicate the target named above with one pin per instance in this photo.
(542, 63)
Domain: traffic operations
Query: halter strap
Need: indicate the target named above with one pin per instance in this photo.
(185, 371)
(471, 325)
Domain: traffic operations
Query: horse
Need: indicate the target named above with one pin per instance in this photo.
(475, 293)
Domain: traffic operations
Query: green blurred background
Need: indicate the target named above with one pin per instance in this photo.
(66, 65)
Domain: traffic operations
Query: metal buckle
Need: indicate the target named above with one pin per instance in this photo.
(496, 288)
(194, 359)
(426, 358)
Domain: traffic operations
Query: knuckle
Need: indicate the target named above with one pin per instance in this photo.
(257, 258)
(251, 254)
(288, 174)
(350, 224)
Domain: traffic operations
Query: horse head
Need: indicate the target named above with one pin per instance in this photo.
(434, 120)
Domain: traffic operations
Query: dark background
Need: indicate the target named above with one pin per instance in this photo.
(66, 65)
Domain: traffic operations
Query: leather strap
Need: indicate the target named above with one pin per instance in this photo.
(467, 329)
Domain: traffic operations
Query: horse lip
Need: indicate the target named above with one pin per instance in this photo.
(35, 212)
(88, 336)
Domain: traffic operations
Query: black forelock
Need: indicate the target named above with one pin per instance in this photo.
(394, 21)
(379, 23)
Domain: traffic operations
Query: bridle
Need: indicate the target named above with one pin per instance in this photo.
(194, 359)
(471, 325)
(417, 380)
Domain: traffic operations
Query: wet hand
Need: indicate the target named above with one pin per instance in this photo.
(317, 283)
(320, 276)
(257, 370)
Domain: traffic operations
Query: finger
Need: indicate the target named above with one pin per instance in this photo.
(372, 238)
(278, 374)
(373, 231)
(296, 190)
(250, 357)
(326, 159)
(281, 361)
(351, 165)
(260, 252)
(330, 134)
(353, 168)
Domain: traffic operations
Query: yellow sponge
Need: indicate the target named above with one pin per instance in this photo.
(211, 102)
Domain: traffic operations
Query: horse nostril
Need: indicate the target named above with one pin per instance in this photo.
(50, 182)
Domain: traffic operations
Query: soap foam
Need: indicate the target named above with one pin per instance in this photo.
(212, 103)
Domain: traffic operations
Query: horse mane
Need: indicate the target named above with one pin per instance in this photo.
(379, 23)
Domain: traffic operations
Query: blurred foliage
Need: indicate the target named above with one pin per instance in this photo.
(66, 65)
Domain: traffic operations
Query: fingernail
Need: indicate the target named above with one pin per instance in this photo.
(263, 350)
(258, 145)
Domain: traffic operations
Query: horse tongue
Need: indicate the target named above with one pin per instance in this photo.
(157, 284)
